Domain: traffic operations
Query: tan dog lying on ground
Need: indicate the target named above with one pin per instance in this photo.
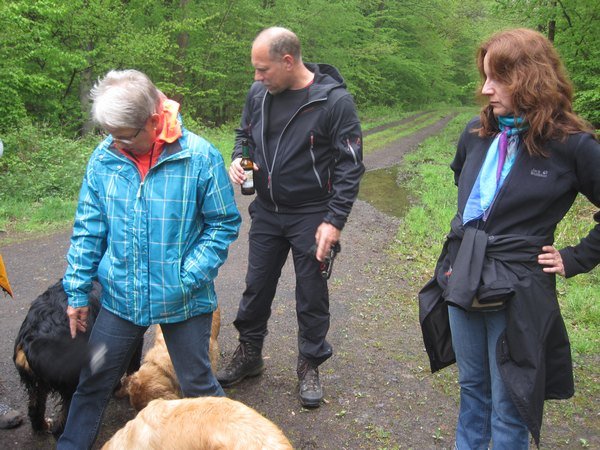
(204, 423)
(156, 377)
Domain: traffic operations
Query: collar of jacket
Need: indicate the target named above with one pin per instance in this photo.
(326, 75)
(168, 150)
(327, 78)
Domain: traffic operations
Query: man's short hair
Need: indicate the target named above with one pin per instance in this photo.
(281, 42)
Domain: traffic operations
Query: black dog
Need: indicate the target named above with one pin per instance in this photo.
(49, 360)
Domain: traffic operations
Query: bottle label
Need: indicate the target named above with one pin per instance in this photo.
(249, 182)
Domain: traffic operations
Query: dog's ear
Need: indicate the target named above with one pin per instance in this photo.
(143, 387)
(123, 387)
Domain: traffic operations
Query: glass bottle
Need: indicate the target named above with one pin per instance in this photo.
(248, 165)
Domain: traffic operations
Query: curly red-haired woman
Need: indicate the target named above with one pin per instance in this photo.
(518, 168)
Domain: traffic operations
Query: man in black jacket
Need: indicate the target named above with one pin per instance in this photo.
(306, 143)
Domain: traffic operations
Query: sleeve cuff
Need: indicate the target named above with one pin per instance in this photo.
(335, 220)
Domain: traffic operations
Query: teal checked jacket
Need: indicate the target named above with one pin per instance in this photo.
(154, 245)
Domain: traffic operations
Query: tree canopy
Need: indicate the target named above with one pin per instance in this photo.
(403, 53)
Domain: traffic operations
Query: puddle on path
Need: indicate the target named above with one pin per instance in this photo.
(380, 188)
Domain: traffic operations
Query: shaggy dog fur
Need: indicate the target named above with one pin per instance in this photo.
(204, 423)
(49, 360)
(156, 377)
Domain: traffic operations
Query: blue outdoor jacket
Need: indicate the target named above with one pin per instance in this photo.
(155, 246)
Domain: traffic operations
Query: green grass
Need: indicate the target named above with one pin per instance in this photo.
(222, 138)
(47, 214)
(381, 115)
(430, 181)
(379, 140)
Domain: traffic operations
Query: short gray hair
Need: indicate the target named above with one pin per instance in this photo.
(124, 99)
(281, 42)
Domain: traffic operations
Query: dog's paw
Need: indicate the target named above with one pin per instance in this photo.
(48, 425)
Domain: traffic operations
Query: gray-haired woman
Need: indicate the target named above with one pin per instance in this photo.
(155, 218)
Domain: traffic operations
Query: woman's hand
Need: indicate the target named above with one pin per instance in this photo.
(77, 319)
(552, 259)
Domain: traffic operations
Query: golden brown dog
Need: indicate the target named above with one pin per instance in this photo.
(156, 377)
(204, 423)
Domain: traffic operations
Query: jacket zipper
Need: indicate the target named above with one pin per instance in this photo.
(314, 160)
(136, 256)
(272, 167)
(352, 151)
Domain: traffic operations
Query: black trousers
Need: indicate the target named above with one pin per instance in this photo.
(271, 237)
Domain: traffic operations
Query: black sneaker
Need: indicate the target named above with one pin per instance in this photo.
(246, 362)
(311, 392)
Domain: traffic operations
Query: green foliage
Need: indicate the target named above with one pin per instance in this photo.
(587, 103)
(402, 54)
(577, 38)
(38, 164)
(40, 177)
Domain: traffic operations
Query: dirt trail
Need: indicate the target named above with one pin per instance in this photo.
(378, 390)
(385, 126)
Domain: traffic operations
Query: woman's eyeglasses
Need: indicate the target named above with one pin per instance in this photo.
(129, 140)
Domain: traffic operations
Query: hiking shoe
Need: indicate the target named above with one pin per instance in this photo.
(310, 390)
(246, 362)
(9, 418)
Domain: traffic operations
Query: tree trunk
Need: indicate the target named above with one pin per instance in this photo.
(551, 30)
(183, 41)
(85, 84)
(552, 22)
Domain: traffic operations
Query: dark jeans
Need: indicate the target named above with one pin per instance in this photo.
(271, 237)
(187, 343)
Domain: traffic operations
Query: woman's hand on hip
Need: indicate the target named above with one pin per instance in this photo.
(552, 260)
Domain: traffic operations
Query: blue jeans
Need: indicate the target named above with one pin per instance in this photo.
(187, 343)
(486, 409)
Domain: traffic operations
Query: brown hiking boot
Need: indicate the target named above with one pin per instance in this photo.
(310, 390)
(246, 362)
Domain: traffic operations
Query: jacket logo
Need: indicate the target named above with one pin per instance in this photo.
(304, 111)
(539, 173)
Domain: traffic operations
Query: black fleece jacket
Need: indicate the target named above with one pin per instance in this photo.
(538, 191)
(317, 164)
